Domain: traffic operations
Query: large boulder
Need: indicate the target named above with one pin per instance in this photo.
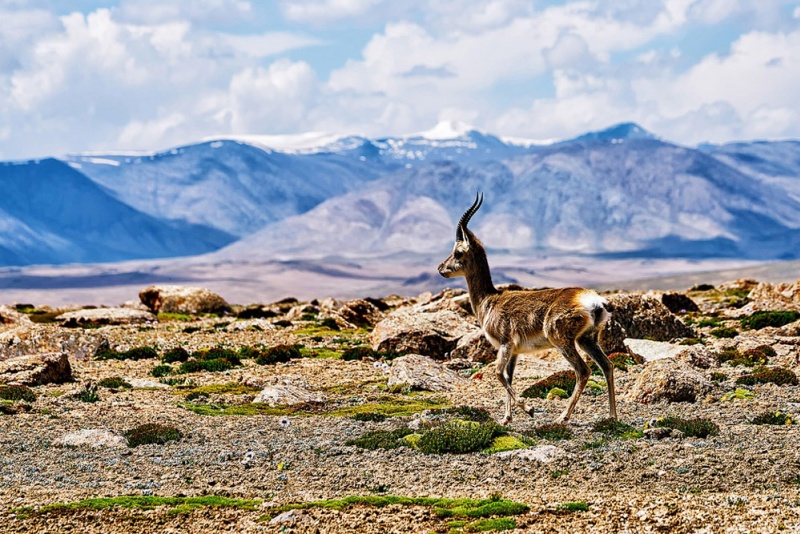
(678, 302)
(766, 296)
(428, 330)
(287, 395)
(36, 369)
(105, 316)
(474, 347)
(183, 299)
(646, 350)
(11, 318)
(422, 373)
(669, 380)
(641, 317)
(360, 312)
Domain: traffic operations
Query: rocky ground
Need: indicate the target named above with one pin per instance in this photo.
(58, 449)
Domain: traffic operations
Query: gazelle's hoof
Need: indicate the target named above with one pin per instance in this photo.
(505, 420)
(530, 410)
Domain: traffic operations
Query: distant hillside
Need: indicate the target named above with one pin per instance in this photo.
(618, 192)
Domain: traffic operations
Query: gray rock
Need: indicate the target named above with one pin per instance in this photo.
(669, 380)
(360, 313)
(542, 453)
(105, 316)
(36, 369)
(426, 329)
(645, 351)
(422, 373)
(93, 438)
(287, 395)
(142, 383)
(286, 518)
(183, 299)
(11, 318)
(640, 317)
(474, 347)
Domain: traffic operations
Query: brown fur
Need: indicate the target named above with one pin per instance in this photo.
(521, 321)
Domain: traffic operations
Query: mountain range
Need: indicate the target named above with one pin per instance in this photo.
(619, 192)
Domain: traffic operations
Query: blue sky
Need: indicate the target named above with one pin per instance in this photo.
(150, 74)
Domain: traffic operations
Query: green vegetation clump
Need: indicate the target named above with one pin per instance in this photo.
(779, 376)
(563, 379)
(17, 393)
(762, 319)
(739, 394)
(114, 382)
(718, 377)
(178, 354)
(381, 439)
(161, 370)
(715, 322)
(459, 437)
(444, 508)
(88, 393)
(362, 351)
(151, 433)
(724, 332)
(574, 506)
(551, 432)
(702, 287)
(773, 418)
(177, 505)
(696, 428)
(136, 353)
(213, 360)
(616, 429)
(750, 358)
(370, 416)
(278, 354)
(467, 413)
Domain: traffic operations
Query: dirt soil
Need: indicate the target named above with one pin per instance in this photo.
(746, 479)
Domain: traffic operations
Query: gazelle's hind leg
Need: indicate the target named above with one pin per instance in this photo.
(588, 342)
(582, 372)
(505, 365)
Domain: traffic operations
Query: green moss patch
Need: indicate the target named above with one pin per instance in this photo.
(175, 504)
(773, 418)
(17, 393)
(506, 443)
(763, 319)
(382, 439)
(114, 382)
(574, 506)
(563, 379)
(724, 332)
(779, 376)
(738, 394)
(698, 428)
(136, 353)
(151, 433)
(616, 429)
(443, 508)
(497, 524)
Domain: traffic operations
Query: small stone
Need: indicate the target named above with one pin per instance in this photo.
(422, 373)
(287, 395)
(91, 438)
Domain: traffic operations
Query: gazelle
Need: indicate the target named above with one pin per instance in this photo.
(520, 321)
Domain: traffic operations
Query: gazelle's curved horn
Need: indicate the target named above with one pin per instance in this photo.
(462, 223)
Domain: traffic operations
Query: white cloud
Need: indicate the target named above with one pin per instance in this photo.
(321, 11)
(194, 11)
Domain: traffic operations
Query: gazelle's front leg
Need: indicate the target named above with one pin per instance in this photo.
(505, 373)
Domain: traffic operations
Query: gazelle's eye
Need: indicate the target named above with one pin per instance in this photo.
(458, 254)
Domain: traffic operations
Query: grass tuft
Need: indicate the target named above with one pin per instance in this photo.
(697, 428)
(563, 379)
(616, 429)
(17, 393)
(779, 376)
(763, 319)
(151, 433)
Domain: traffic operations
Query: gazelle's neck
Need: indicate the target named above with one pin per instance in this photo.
(479, 283)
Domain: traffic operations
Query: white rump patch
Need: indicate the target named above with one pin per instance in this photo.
(591, 301)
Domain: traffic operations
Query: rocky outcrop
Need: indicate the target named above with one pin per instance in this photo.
(678, 303)
(641, 317)
(360, 313)
(432, 329)
(92, 438)
(287, 395)
(669, 380)
(646, 351)
(766, 296)
(474, 347)
(422, 373)
(36, 369)
(11, 318)
(105, 316)
(544, 454)
(183, 299)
